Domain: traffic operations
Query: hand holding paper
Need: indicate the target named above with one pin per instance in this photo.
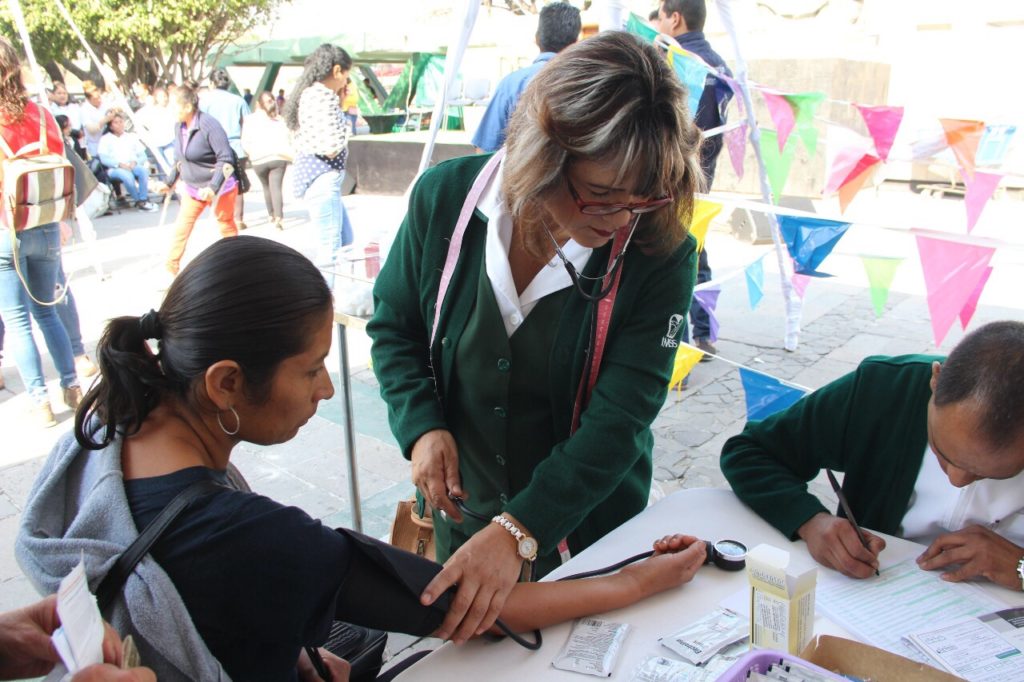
(834, 543)
(972, 552)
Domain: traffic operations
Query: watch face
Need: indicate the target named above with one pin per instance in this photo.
(527, 548)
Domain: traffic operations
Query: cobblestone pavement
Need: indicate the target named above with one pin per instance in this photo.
(839, 329)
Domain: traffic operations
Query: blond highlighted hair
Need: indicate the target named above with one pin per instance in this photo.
(614, 99)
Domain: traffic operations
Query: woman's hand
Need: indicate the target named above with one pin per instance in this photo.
(339, 668)
(677, 558)
(435, 471)
(206, 194)
(486, 569)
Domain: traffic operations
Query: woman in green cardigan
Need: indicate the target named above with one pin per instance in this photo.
(509, 275)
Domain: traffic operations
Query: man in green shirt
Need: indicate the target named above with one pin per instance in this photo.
(898, 427)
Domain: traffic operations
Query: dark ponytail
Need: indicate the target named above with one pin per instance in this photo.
(247, 299)
(131, 386)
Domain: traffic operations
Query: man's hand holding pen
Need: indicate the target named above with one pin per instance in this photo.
(833, 542)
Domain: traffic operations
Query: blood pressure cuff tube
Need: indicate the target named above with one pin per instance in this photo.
(383, 588)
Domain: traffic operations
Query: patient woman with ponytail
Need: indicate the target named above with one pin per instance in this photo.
(238, 584)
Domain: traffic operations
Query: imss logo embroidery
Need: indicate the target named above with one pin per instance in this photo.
(669, 340)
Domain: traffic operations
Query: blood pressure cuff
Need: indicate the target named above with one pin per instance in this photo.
(383, 587)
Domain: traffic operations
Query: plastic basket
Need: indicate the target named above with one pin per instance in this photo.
(761, 659)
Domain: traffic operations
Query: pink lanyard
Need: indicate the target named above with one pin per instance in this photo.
(455, 246)
(604, 306)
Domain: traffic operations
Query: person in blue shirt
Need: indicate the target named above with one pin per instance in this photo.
(230, 111)
(684, 21)
(557, 29)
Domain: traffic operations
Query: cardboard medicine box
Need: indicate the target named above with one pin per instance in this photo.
(863, 661)
(781, 600)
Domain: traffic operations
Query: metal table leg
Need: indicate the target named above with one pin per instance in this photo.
(348, 423)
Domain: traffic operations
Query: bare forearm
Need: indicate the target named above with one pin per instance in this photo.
(533, 606)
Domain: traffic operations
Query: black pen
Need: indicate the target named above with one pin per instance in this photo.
(846, 510)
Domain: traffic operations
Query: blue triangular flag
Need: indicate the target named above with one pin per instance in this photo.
(708, 300)
(766, 395)
(810, 240)
(694, 76)
(755, 282)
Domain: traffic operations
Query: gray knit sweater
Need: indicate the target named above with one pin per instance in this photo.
(77, 509)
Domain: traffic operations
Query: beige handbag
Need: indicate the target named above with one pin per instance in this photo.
(413, 533)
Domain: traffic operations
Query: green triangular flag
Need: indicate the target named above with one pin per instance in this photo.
(805, 105)
(881, 270)
(640, 28)
(776, 164)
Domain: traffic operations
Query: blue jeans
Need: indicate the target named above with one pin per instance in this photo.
(67, 311)
(323, 200)
(135, 181)
(38, 258)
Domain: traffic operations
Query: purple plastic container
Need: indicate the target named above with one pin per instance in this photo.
(760, 659)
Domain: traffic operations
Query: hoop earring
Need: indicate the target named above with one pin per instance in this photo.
(238, 423)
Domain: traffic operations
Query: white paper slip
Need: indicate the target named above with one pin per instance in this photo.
(79, 639)
(987, 648)
(903, 599)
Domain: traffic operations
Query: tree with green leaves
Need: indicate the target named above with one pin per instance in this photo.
(144, 40)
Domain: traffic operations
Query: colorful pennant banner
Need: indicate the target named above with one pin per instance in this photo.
(880, 271)
(980, 189)
(967, 312)
(736, 142)
(963, 137)
(953, 273)
(686, 359)
(810, 241)
(883, 124)
(755, 282)
(781, 113)
(776, 164)
(843, 151)
(704, 211)
(708, 300)
(692, 72)
(766, 395)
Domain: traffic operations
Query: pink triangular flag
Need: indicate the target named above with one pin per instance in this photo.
(843, 150)
(980, 189)
(800, 283)
(781, 112)
(882, 123)
(736, 140)
(952, 271)
(972, 303)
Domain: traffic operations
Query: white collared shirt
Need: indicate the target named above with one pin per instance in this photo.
(552, 277)
(937, 506)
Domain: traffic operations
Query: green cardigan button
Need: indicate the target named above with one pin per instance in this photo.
(500, 412)
(444, 340)
(503, 364)
(500, 460)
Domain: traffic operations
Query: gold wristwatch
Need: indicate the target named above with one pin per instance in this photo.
(525, 545)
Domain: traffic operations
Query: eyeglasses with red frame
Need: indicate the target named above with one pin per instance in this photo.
(604, 208)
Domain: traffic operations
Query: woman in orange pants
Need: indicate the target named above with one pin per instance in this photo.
(203, 162)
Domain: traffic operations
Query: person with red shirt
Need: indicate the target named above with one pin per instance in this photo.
(38, 256)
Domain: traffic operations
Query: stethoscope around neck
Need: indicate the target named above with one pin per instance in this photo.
(609, 275)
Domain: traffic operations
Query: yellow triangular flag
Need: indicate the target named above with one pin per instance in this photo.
(686, 358)
(703, 212)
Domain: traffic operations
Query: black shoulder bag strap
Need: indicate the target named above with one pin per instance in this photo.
(114, 581)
